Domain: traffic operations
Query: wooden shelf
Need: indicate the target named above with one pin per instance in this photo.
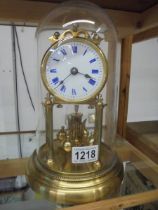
(12, 167)
(25, 12)
(134, 26)
(123, 5)
(127, 44)
(144, 136)
(127, 153)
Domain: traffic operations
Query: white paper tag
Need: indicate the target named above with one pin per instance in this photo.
(85, 154)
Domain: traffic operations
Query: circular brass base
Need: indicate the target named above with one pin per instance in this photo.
(75, 188)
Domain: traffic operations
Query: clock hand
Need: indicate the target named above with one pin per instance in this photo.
(86, 75)
(73, 71)
(61, 82)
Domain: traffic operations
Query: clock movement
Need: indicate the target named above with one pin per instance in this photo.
(75, 164)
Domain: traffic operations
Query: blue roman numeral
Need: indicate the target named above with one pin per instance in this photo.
(73, 92)
(74, 49)
(84, 89)
(54, 59)
(63, 88)
(84, 52)
(55, 80)
(63, 52)
(95, 71)
(93, 60)
(53, 71)
(92, 81)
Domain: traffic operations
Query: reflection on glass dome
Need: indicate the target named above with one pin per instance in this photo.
(85, 15)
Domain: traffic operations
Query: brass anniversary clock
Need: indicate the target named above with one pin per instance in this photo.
(74, 70)
(74, 165)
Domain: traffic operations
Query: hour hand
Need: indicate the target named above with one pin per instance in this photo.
(85, 75)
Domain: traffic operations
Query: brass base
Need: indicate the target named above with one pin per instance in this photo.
(67, 186)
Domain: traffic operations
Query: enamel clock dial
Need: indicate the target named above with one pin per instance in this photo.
(75, 70)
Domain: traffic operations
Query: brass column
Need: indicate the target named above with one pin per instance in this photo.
(49, 125)
(98, 121)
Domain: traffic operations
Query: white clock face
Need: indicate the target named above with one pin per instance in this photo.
(74, 71)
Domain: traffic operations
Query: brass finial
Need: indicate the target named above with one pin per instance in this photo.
(55, 37)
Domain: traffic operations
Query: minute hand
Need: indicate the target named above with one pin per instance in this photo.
(61, 82)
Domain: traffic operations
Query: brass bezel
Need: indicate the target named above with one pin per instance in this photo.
(55, 46)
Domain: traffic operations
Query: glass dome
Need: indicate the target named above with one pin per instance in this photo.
(81, 15)
(78, 55)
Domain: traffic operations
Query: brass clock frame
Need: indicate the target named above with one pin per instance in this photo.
(101, 55)
(50, 171)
